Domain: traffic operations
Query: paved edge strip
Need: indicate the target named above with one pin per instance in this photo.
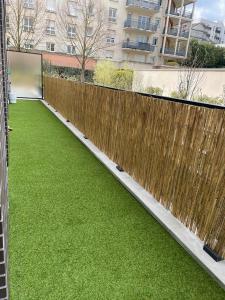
(188, 240)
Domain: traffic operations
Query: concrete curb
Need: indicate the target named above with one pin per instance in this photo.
(190, 242)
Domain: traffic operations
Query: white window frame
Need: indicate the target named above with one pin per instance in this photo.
(50, 46)
(113, 14)
(51, 5)
(29, 44)
(7, 23)
(29, 26)
(109, 54)
(29, 4)
(71, 49)
(110, 40)
(50, 29)
(89, 31)
(71, 31)
(72, 8)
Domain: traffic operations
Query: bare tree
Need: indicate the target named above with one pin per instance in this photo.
(86, 33)
(190, 76)
(25, 23)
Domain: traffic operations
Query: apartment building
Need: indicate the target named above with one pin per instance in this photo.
(140, 33)
(208, 31)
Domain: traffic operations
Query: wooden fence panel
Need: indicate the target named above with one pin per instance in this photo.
(175, 151)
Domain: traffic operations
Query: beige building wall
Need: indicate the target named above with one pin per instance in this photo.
(212, 81)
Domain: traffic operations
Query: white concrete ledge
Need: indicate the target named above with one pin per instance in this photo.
(190, 242)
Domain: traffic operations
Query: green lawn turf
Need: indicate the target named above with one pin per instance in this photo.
(76, 233)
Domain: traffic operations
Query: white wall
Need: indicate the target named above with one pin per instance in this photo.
(212, 83)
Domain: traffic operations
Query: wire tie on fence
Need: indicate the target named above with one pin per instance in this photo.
(212, 253)
(120, 168)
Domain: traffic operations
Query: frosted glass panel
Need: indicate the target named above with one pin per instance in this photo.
(25, 74)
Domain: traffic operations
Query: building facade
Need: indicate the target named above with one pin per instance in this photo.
(208, 31)
(140, 33)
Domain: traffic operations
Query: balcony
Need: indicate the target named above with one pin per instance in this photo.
(175, 13)
(184, 34)
(187, 14)
(136, 24)
(178, 13)
(172, 52)
(181, 53)
(172, 31)
(155, 6)
(138, 46)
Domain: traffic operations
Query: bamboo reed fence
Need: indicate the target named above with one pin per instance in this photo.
(175, 151)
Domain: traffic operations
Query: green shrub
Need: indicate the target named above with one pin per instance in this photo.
(103, 74)
(122, 79)
(154, 91)
(107, 74)
(211, 100)
(177, 95)
(66, 72)
(172, 63)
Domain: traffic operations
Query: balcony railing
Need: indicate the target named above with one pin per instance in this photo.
(140, 25)
(187, 14)
(171, 51)
(184, 34)
(181, 53)
(172, 31)
(174, 12)
(144, 4)
(138, 46)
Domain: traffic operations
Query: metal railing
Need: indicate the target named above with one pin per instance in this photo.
(144, 4)
(172, 31)
(138, 46)
(174, 12)
(178, 13)
(172, 51)
(3, 158)
(184, 34)
(136, 24)
(187, 14)
(181, 53)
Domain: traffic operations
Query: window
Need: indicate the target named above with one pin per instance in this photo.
(28, 24)
(7, 21)
(109, 54)
(72, 8)
(91, 9)
(112, 14)
(51, 5)
(157, 22)
(154, 41)
(50, 29)
(29, 44)
(71, 49)
(71, 31)
(29, 3)
(110, 40)
(89, 31)
(50, 47)
(142, 39)
(8, 42)
(143, 22)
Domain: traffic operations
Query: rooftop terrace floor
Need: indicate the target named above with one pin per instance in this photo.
(76, 233)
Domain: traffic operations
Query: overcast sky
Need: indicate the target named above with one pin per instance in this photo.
(210, 9)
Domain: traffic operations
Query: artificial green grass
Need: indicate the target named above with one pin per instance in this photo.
(76, 233)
